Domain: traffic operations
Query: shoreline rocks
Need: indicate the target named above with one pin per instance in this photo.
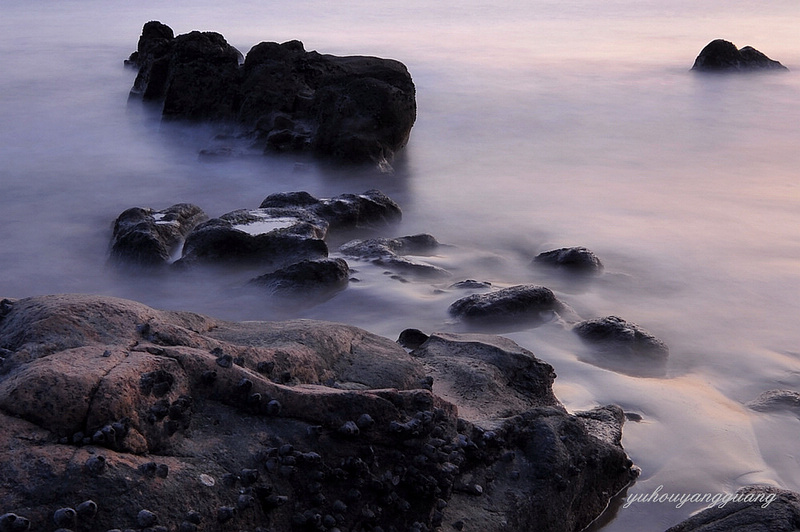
(285, 98)
(281, 424)
(520, 304)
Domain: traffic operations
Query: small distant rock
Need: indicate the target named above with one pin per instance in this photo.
(471, 284)
(574, 259)
(723, 56)
(614, 333)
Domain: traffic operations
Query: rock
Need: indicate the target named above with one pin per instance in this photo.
(307, 278)
(471, 284)
(271, 237)
(616, 335)
(521, 304)
(487, 376)
(750, 509)
(776, 401)
(145, 237)
(575, 259)
(356, 437)
(412, 338)
(390, 253)
(372, 209)
(723, 56)
(351, 108)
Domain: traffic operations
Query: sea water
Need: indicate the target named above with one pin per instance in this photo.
(541, 124)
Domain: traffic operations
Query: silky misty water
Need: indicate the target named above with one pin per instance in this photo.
(540, 125)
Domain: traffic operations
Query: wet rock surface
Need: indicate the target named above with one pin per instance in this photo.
(614, 334)
(351, 108)
(777, 401)
(138, 418)
(722, 56)
(757, 508)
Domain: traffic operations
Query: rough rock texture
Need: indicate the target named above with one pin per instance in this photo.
(723, 56)
(391, 253)
(352, 108)
(781, 514)
(145, 237)
(575, 259)
(522, 304)
(309, 278)
(144, 419)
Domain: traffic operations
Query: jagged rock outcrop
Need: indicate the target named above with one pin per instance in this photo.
(722, 56)
(351, 108)
(137, 418)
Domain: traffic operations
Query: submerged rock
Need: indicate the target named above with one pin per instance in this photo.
(751, 508)
(145, 237)
(311, 423)
(723, 56)
(352, 108)
(522, 304)
(574, 259)
(390, 253)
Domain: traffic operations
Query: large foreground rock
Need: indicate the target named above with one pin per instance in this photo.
(723, 56)
(352, 108)
(143, 419)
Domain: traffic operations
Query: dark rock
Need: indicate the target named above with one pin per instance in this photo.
(273, 237)
(619, 336)
(723, 56)
(306, 278)
(412, 338)
(144, 237)
(750, 509)
(146, 518)
(372, 209)
(521, 304)
(86, 510)
(351, 108)
(575, 259)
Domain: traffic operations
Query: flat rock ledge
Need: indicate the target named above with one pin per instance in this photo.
(117, 416)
